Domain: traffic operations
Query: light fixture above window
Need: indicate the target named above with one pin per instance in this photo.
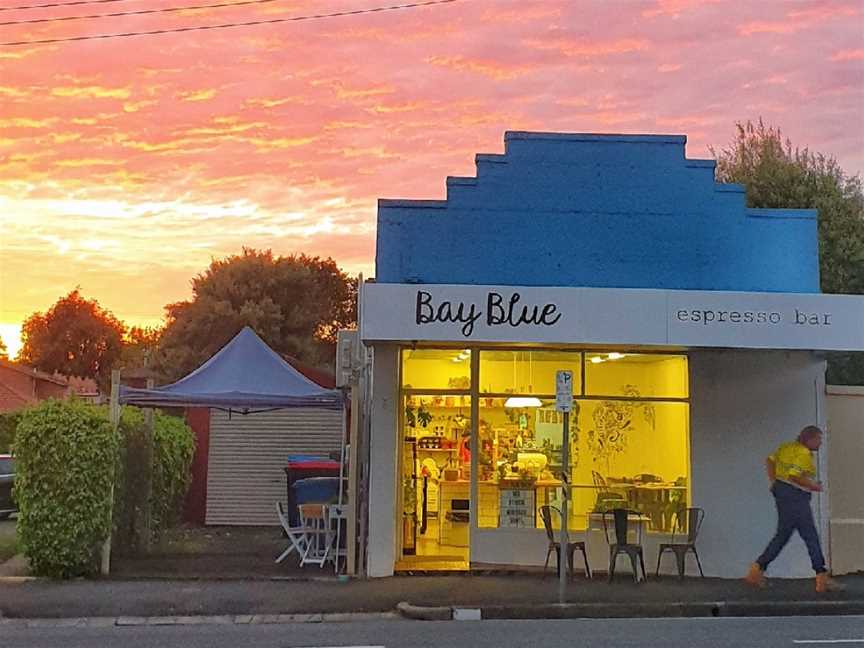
(523, 401)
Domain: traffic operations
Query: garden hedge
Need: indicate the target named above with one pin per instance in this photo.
(66, 453)
(68, 457)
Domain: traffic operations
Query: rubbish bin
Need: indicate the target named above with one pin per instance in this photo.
(313, 490)
(303, 467)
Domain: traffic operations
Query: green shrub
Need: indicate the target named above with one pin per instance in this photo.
(66, 453)
(173, 450)
(8, 423)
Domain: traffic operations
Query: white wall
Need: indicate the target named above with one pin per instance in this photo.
(383, 452)
(845, 408)
(743, 405)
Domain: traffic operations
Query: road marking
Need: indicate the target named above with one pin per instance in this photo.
(827, 641)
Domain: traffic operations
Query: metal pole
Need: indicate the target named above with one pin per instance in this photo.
(565, 497)
(114, 418)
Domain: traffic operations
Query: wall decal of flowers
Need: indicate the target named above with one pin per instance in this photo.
(612, 423)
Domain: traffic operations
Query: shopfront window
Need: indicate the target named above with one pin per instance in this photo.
(628, 434)
(435, 473)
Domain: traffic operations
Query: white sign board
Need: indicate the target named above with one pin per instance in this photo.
(679, 318)
(516, 508)
(563, 390)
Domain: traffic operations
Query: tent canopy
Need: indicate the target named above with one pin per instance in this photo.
(245, 374)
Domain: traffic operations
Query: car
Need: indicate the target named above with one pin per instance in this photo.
(7, 479)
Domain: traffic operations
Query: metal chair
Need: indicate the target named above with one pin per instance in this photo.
(296, 535)
(622, 544)
(554, 545)
(688, 522)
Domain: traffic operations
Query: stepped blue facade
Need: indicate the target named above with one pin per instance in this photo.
(622, 211)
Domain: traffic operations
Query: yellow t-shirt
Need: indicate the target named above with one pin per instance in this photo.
(793, 459)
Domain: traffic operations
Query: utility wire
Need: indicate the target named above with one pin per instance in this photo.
(251, 23)
(134, 13)
(58, 4)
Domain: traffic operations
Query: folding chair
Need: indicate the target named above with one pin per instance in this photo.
(296, 535)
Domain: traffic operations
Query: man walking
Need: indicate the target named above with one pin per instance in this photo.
(793, 481)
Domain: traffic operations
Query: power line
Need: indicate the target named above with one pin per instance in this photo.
(134, 13)
(48, 41)
(58, 4)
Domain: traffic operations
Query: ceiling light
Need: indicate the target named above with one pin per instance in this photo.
(523, 401)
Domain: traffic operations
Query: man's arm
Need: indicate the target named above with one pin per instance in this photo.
(806, 482)
(769, 468)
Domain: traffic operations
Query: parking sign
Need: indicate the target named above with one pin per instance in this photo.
(564, 391)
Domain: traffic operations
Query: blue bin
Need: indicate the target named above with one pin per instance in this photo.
(312, 490)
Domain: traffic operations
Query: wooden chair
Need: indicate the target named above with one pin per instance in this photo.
(687, 523)
(620, 543)
(319, 538)
(554, 545)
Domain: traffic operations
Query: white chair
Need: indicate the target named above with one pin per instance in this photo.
(296, 535)
(338, 514)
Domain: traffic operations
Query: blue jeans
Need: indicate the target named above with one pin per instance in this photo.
(793, 514)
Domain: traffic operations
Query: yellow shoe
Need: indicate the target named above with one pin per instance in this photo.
(755, 576)
(824, 583)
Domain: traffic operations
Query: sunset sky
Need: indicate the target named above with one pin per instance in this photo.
(126, 164)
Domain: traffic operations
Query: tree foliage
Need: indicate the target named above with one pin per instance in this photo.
(4, 351)
(295, 303)
(66, 453)
(75, 337)
(140, 345)
(780, 176)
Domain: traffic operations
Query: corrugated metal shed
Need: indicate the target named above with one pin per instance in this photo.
(248, 455)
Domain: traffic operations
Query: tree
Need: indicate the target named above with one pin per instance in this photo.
(140, 345)
(295, 303)
(76, 337)
(4, 352)
(778, 175)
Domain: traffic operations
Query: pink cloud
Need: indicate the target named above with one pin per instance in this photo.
(285, 135)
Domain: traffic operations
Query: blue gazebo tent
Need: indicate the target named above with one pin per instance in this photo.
(246, 375)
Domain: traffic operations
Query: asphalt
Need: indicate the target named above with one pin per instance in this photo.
(496, 596)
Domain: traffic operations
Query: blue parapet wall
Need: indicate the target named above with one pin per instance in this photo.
(625, 211)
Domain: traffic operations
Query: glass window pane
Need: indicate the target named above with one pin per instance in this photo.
(526, 372)
(436, 472)
(519, 462)
(636, 375)
(436, 369)
(633, 452)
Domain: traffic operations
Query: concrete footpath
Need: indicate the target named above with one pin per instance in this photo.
(420, 597)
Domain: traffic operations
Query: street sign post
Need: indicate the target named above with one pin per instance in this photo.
(564, 403)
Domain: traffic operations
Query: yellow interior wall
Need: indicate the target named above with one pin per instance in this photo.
(660, 378)
(428, 373)
(526, 373)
